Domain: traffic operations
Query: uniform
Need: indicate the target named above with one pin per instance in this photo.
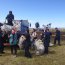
(46, 41)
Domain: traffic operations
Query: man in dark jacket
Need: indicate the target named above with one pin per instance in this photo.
(10, 18)
(46, 40)
(57, 36)
(27, 44)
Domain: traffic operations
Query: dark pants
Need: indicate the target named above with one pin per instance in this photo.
(14, 49)
(46, 50)
(1, 48)
(11, 24)
(46, 45)
(57, 39)
(26, 48)
(27, 53)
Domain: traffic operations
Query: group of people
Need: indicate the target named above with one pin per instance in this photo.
(4, 34)
(27, 43)
(46, 38)
(13, 41)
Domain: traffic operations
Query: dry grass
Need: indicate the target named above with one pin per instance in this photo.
(56, 56)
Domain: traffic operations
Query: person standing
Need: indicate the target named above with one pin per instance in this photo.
(42, 35)
(34, 34)
(1, 42)
(57, 36)
(10, 18)
(33, 37)
(13, 42)
(46, 40)
(27, 45)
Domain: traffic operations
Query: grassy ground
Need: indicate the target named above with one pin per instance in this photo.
(56, 56)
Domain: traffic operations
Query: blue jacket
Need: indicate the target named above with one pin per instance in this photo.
(13, 40)
(57, 34)
(47, 38)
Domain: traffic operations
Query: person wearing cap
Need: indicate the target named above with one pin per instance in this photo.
(10, 18)
(57, 36)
